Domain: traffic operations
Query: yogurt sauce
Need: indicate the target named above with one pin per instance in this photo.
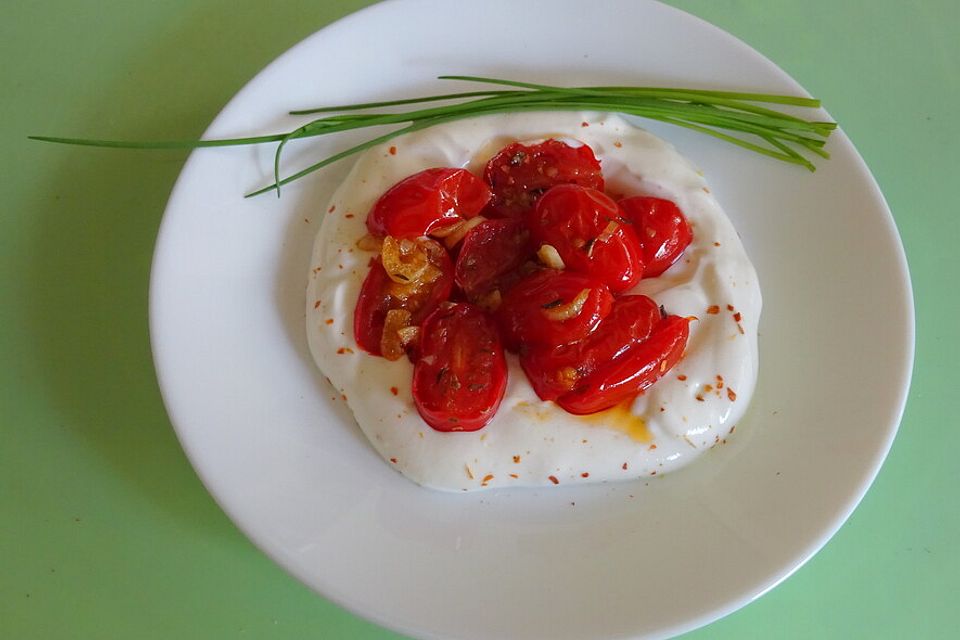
(530, 442)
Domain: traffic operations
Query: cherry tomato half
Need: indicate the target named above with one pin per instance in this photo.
(520, 173)
(554, 371)
(552, 308)
(586, 228)
(490, 257)
(460, 377)
(635, 370)
(425, 201)
(662, 230)
(380, 293)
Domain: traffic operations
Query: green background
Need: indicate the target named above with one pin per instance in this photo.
(106, 532)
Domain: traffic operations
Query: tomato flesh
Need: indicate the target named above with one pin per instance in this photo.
(491, 256)
(662, 229)
(586, 228)
(635, 370)
(554, 371)
(461, 375)
(379, 294)
(520, 173)
(550, 308)
(426, 201)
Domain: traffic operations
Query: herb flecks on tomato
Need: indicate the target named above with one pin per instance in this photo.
(588, 231)
(662, 230)
(427, 201)
(519, 174)
(461, 375)
(490, 259)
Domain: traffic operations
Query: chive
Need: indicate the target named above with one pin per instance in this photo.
(732, 116)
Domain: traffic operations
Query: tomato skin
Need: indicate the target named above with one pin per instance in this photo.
(490, 256)
(525, 314)
(554, 371)
(520, 173)
(427, 200)
(461, 375)
(632, 372)
(586, 228)
(379, 294)
(662, 229)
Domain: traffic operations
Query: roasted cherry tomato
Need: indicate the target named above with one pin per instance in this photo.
(490, 258)
(632, 372)
(460, 377)
(662, 230)
(586, 228)
(412, 275)
(552, 308)
(520, 173)
(426, 201)
(554, 371)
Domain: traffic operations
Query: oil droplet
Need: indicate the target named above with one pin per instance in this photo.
(622, 419)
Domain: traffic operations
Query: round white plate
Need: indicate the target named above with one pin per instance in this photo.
(279, 451)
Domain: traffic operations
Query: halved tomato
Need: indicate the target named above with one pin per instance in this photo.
(554, 371)
(490, 257)
(461, 375)
(520, 173)
(552, 308)
(662, 230)
(635, 370)
(586, 229)
(426, 201)
(420, 277)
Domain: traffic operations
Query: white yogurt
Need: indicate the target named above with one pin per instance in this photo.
(531, 442)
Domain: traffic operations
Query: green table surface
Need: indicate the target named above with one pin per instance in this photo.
(105, 530)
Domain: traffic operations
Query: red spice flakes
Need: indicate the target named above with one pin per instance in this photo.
(514, 476)
(393, 460)
(681, 377)
(553, 479)
(662, 409)
(716, 244)
(624, 467)
(731, 394)
(394, 391)
(343, 350)
(343, 397)
(584, 124)
(393, 151)
(737, 317)
(516, 459)
(487, 478)
(651, 447)
(730, 307)
(585, 475)
(618, 144)
(349, 215)
(469, 473)
(316, 305)
(699, 398)
(332, 208)
(719, 381)
(713, 310)
(708, 388)
(328, 321)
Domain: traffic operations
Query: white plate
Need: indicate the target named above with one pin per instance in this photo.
(283, 458)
